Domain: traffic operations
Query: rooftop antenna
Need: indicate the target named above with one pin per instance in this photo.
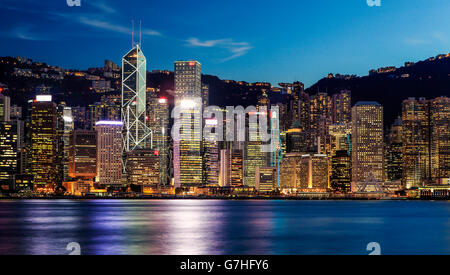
(140, 32)
(132, 33)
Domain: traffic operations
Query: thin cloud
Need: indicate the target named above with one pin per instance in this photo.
(102, 6)
(24, 33)
(236, 49)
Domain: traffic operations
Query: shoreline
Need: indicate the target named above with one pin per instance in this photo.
(143, 198)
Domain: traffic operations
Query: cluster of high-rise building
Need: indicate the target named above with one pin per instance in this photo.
(142, 143)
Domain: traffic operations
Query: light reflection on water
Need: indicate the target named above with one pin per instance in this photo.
(213, 227)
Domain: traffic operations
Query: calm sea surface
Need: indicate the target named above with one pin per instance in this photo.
(224, 227)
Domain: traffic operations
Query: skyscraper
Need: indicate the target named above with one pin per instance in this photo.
(314, 173)
(143, 168)
(134, 80)
(211, 155)
(394, 152)
(5, 108)
(237, 168)
(187, 157)
(83, 155)
(43, 142)
(416, 142)
(8, 154)
(109, 153)
(341, 175)
(342, 107)
(440, 138)
(367, 142)
(158, 121)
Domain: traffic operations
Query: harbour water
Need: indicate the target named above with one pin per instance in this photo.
(216, 227)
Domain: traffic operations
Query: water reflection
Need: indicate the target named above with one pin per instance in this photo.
(183, 227)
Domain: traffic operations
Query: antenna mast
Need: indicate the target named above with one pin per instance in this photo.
(132, 33)
(140, 33)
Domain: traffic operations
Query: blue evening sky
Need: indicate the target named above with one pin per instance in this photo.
(251, 40)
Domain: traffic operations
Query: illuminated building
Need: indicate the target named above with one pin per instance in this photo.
(134, 80)
(64, 128)
(205, 95)
(83, 155)
(8, 154)
(5, 108)
(304, 113)
(265, 179)
(440, 138)
(187, 156)
(211, 154)
(342, 107)
(43, 143)
(340, 137)
(158, 121)
(95, 113)
(143, 167)
(237, 168)
(320, 119)
(394, 152)
(297, 140)
(341, 175)
(225, 168)
(314, 173)
(253, 154)
(416, 142)
(109, 153)
(367, 142)
(290, 172)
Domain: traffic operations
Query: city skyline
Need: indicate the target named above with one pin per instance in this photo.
(360, 35)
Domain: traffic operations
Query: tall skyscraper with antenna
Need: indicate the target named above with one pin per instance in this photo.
(136, 134)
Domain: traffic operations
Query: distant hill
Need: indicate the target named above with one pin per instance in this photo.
(388, 86)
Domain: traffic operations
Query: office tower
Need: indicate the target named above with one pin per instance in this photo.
(416, 142)
(265, 179)
(320, 119)
(83, 155)
(253, 157)
(225, 168)
(341, 175)
(297, 140)
(8, 154)
(158, 121)
(5, 108)
(43, 143)
(64, 128)
(95, 113)
(109, 153)
(211, 153)
(67, 128)
(367, 143)
(340, 137)
(143, 167)
(290, 172)
(440, 138)
(314, 173)
(134, 80)
(295, 91)
(304, 113)
(187, 156)
(394, 152)
(237, 168)
(205, 95)
(342, 107)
